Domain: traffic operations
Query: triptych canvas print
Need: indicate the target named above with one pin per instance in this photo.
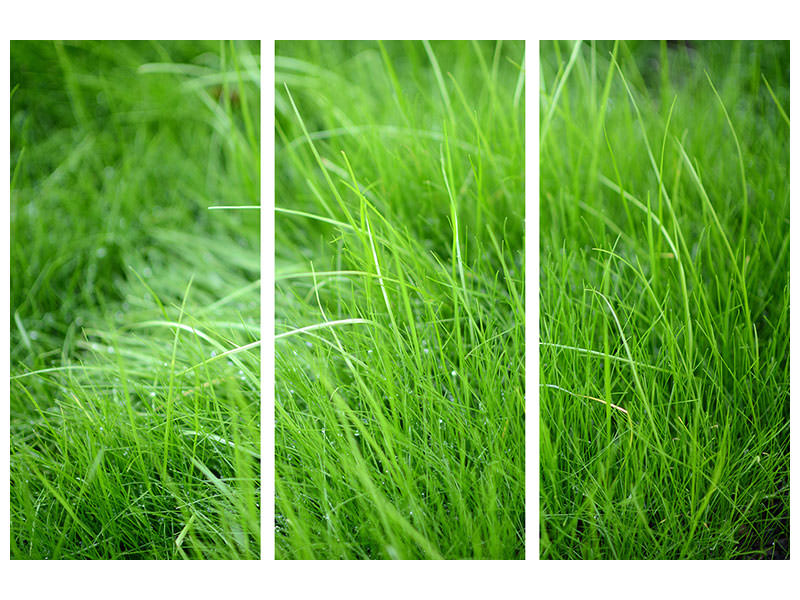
(399, 410)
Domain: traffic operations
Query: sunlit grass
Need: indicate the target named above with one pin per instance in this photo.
(399, 401)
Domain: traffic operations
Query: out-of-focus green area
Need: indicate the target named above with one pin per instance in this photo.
(113, 145)
(130, 436)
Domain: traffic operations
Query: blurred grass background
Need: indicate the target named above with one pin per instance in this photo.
(118, 149)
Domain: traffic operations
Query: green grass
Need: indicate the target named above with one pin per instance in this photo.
(134, 307)
(664, 240)
(399, 308)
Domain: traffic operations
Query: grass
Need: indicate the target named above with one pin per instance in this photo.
(134, 307)
(664, 300)
(399, 400)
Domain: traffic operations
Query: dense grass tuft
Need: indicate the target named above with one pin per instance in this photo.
(664, 300)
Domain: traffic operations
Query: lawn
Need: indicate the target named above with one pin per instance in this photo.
(399, 306)
(135, 384)
(664, 300)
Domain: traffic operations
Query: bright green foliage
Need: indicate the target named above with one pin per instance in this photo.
(133, 434)
(664, 291)
(399, 409)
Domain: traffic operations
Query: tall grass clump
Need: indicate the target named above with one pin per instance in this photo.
(399, 309)
(664, 322)
(134, 307)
